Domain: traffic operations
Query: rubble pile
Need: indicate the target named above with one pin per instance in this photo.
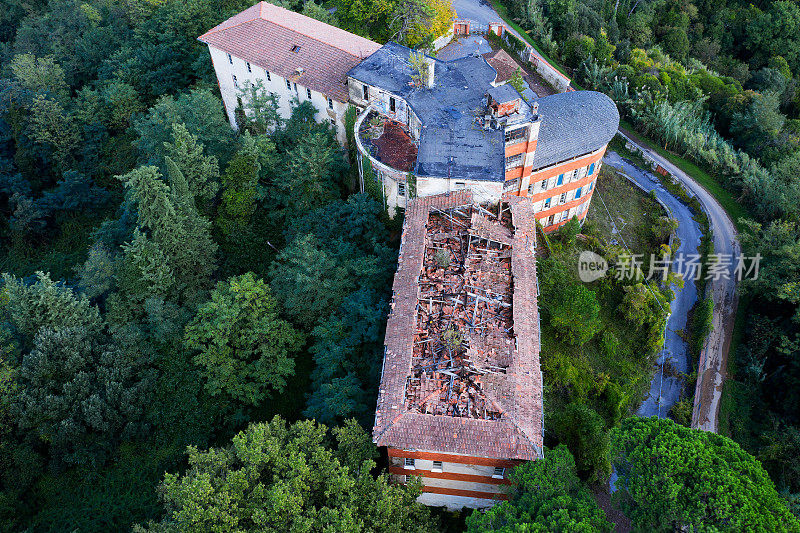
(464, 322)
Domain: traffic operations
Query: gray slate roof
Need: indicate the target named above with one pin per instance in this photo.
(503, 93)
(574, 124)
(454, 143)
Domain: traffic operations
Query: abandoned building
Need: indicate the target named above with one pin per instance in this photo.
(291, 55)
(447, 126)
(460, 397)
(470, 129)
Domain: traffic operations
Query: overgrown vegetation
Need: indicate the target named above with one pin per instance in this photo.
(715, 82)
(202, 281)
(599, 339)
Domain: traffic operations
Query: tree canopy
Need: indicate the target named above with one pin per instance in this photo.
(280, 477)
(672, 477)
(548, 496)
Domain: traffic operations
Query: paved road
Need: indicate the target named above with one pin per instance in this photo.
(665, 390)
(482, 12)
(714, 358)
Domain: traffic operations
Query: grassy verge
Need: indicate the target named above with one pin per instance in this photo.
(734, 209)
(732, 390)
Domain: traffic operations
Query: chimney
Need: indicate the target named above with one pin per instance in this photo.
(431, 68)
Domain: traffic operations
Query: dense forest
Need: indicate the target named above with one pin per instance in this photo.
(171, 304)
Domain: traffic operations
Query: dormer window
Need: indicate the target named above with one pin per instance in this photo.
(296, 48)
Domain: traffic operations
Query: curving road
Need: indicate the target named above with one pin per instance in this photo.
(665, 389)
(713, 363)
(714, 357)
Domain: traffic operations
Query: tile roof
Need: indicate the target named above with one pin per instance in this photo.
(265, 34)
(503, 63)
(517, 392)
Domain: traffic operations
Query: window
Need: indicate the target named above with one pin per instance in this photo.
(288, 85)
(563, 198)
(573, 175)
(248, 67)
(546, 203)
(582, 172)
(408, 463)
(511, 185)
(401, 188)
(330, 103)
(230, 59)
(513, 161)
(591, 169)
(268, 77)
(591, 186)
(460, 185)
(578, 193)
(513, 136)
(333, 122)
(295, 48)
(560, 180)
(235, 81)
(550, 220)
(295, 87)
(437, 466)
(564, 214)
(366, 92)
(499, 472)
(391, 104)
(308, 93)
(544, 185)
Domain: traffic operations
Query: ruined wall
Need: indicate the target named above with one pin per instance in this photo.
(548, 71)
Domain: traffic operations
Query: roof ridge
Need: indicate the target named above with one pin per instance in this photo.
(219, 27)
(261, 16)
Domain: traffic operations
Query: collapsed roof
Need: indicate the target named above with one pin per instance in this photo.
(461, 368)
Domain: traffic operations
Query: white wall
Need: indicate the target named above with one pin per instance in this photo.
(275, 84)
(483, 191)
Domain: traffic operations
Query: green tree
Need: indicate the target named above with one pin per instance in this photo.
(173, 241)
(646, 306)
(47, 304)
(313, 176)
(39, 74)
(199, 111)
(548, 497)
(575, 314)
(584, 433)
(239, 190)
(311, 282)
(674, 478)
(260, 109)
(516, 81)
(81, 396)
(276, 477)
(244, 347)
(52, 126)
(200, 171)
